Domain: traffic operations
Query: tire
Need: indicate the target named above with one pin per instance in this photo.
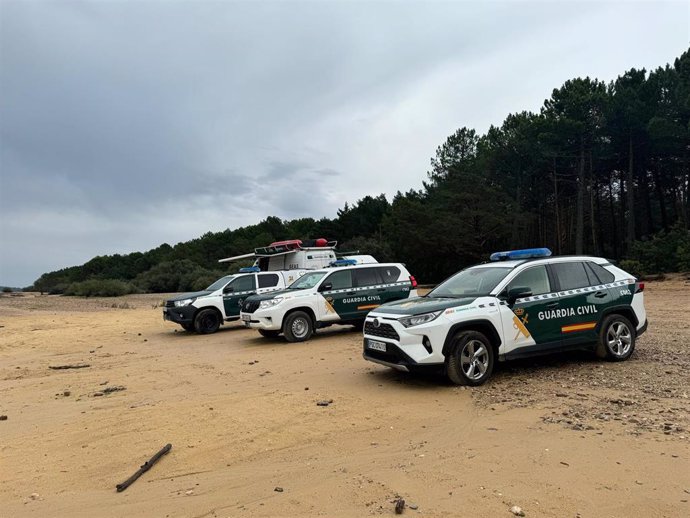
(207, 321)
(188, 327)
(471, 359)
(268, 333)
(616, 339)
(298, 327)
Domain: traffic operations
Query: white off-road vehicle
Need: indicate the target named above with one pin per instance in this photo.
(522, 303)
(276, 266)
(342, 294)
(204, 311)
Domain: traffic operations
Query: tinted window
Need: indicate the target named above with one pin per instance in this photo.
(366, 277)
(245, 283)
(268, 280)
(602, 273)
(389, 273)
(340, 280)
(571, 275)
(535, 278)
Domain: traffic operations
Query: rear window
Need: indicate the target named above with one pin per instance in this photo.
(268, 280)
(571, 275)
(389, 273)
(366, 277)
(603, 275)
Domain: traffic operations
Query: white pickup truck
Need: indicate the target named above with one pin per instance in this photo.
(204, 311)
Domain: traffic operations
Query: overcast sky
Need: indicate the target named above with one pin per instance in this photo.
(127, 124)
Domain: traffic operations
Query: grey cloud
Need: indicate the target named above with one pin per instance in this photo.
(127, 124)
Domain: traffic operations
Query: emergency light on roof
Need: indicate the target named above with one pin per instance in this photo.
(529, 253)
(344, 262)
(250, 269)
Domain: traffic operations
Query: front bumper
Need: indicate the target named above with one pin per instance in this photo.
(179, 315)
(409, 349)
(262, 320)
(395, 358)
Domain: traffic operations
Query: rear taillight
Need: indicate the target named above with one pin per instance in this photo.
(413, 281)
(640, 287)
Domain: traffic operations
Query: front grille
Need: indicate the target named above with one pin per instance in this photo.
(250, 306)
(384, 331)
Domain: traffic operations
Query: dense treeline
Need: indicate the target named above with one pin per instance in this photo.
(602, 169)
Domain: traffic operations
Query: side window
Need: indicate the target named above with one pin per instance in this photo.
(268, 280)
(602, 273)
(245, 283)
(366, 277)
(389, 273)
(340, 280)
(571, 275)
(535, 278)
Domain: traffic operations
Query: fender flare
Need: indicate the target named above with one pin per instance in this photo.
(480, 324)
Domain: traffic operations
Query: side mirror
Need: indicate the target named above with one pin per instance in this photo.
(517, 293)
(328, 286)
(228, 289)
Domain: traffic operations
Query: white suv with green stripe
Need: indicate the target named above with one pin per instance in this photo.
(520, 304)
(337, 295)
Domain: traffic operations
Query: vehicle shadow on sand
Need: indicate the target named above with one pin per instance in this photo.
(553, 365)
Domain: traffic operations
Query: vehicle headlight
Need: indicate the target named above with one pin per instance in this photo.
(184, 302)
(265, 304)
(417, 320)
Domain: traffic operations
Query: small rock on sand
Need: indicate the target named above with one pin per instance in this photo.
(517, 511)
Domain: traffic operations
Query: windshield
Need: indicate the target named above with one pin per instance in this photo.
(220, 283)
(472, 282)
(307, 281)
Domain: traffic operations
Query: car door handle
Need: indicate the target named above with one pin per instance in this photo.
(600, 294)
(552, 305)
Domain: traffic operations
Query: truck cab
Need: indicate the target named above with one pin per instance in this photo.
(204, 311)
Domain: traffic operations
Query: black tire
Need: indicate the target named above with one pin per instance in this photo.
(268, 333)
(207, 321)
(298, 327)
(616, 338)
(470, 360)
(359, 325)
(188, 327)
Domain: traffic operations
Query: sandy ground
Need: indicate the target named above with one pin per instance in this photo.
(566, 436)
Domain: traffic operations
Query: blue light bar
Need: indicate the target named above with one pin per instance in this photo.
(344, 262)
(250, 269)
(528, 253)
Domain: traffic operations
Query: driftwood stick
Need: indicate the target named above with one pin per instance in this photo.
(71, 366)
(144, 468)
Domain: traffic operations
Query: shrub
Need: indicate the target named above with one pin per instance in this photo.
(633, 267)
(100, 288)
(663, 252)
(7, 289)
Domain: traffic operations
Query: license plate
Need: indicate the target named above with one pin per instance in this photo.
(376, 345)
(246, 318)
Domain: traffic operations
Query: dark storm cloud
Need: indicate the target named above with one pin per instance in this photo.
(128, 124)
